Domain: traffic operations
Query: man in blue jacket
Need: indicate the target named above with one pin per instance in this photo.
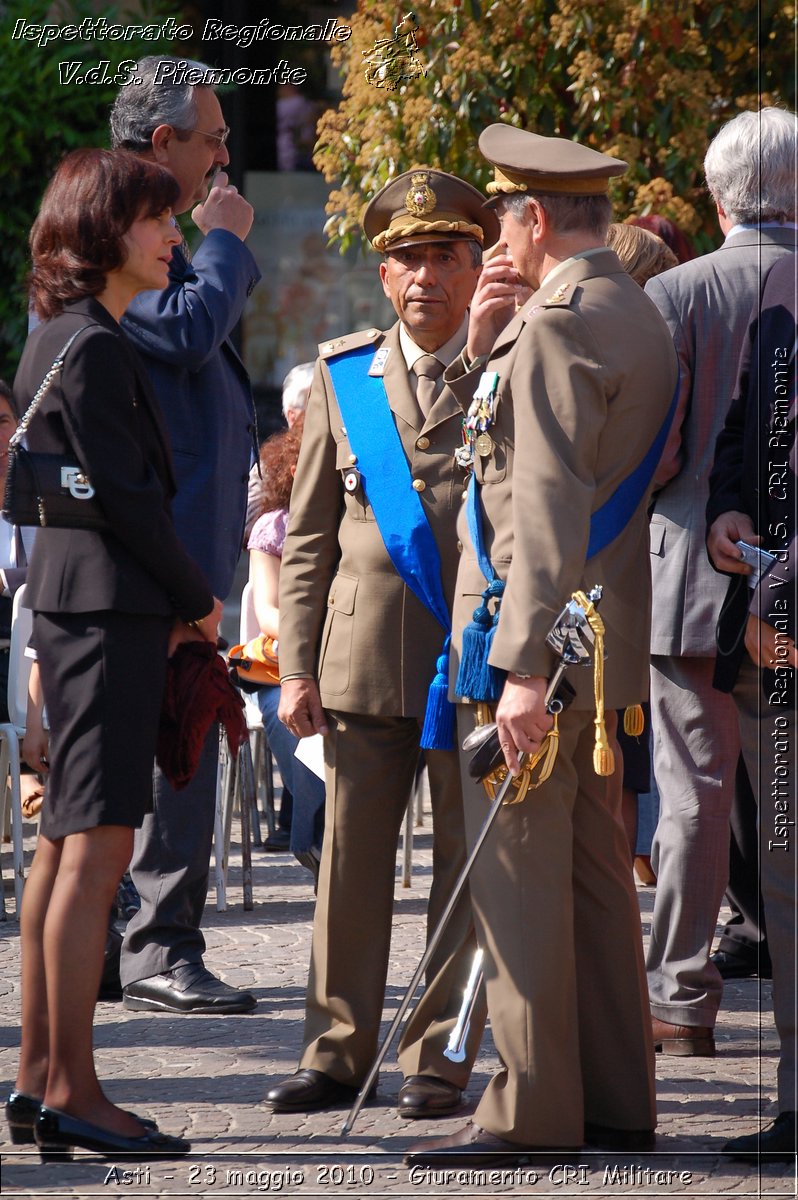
(184, 335)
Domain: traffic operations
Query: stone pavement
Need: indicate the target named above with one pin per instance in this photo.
(204, 1077)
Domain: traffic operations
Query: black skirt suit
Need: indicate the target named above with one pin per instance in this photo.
(104, 603)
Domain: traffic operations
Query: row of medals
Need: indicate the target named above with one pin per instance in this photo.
(476, 438)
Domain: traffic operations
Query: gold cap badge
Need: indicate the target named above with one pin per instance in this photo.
(420, 198)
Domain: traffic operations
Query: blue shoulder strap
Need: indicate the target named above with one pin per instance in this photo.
(476, 677)
(400, 515)
(616, 512)
(606, 522)
(385, 473)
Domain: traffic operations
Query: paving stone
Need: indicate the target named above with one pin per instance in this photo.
(205, 1077)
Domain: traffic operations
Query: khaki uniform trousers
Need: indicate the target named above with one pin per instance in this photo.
(371, 763)
(557, 915)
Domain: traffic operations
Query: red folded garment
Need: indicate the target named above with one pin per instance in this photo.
(198, 694)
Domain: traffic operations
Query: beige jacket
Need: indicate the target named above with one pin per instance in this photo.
(345, 614)
(586, 370)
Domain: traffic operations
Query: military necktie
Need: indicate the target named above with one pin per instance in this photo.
(429, 370)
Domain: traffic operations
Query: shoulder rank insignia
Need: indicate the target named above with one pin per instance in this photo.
(562, 295)
(350, 342)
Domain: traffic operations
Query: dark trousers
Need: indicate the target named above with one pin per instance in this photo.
(745, 934)
(170, 867)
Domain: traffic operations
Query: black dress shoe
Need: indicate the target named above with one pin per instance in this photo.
(428, 1096)
(187, 989)
(608, 1137)
(471, 1147)
(741, 966)
(308, 1091)
(278, 842)
(22, 1111)
(774, 1144)
(57, 1133)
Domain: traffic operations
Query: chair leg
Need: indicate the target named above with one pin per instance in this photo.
(268, 777)
(418, 791)
(16, 824)
(220, 843)
(245, 777)
(10, 776)
(256, 750)
(407, 846)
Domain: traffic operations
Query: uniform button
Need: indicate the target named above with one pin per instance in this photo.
(250, 428)
(419, 485)
(464, 495)
(459, 546)
(245, 478)
(352, 459)
(423, 443)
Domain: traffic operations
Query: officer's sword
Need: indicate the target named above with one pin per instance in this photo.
(564, 637)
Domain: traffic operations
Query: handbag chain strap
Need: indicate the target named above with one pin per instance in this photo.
(43, 388)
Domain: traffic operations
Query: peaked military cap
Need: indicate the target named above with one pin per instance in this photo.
(528, 162)
(427, 205)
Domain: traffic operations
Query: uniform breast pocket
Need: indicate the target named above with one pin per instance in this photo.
(336, 641)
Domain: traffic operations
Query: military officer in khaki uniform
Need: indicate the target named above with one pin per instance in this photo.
(585, 375)
(358, 648)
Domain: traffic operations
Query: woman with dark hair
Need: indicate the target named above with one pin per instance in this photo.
(109, 606)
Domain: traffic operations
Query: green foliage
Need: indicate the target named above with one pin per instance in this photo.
(648, 82)
(40, 120)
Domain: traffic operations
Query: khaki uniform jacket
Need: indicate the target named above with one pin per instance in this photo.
(345, 614)
(587, 371)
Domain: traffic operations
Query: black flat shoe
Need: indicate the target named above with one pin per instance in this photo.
(22, 1111)
(57, 1134)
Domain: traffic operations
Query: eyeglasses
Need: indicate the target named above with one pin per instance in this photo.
(221, 138)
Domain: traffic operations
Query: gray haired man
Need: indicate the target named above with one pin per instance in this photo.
(750, 171)
(183, 333)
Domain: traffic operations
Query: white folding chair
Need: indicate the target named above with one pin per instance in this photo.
(235, 788)
(11, 735)
(414, 815)
(242, 782)
(259, 744)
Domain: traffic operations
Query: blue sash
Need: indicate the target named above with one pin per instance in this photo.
(398, 510)
(476, 678)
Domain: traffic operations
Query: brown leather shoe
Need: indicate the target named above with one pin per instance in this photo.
(428, 1096)
(307, 1091)
(471, 1147)
(685, 1041)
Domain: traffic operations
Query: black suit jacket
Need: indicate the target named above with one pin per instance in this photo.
(101, 409)
(755, 465)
